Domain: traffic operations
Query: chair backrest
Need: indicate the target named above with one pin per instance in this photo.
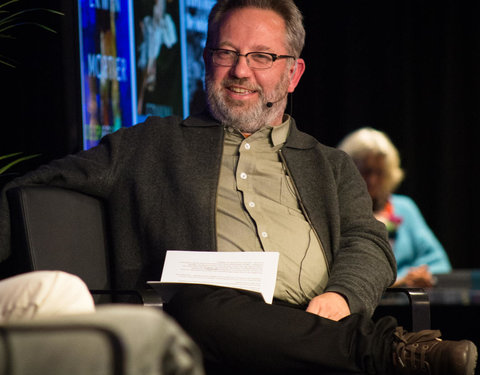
(59, 229)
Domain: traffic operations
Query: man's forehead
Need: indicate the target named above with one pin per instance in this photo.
(259, 29)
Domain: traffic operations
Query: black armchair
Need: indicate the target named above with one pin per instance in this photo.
(46, 221)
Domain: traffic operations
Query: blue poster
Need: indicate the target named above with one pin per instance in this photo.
(106, 67)
(139, 58)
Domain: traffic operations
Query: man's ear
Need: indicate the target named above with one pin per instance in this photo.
(296, 73)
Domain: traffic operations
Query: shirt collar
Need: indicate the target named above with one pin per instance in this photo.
(277, 134)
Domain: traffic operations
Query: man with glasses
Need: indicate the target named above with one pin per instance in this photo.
(242, 177)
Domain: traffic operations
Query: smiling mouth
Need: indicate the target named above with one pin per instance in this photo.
(240, 90)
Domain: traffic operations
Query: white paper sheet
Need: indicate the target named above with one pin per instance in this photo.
(253, 271)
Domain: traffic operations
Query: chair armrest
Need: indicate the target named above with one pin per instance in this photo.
(146, 297)
(419, 306)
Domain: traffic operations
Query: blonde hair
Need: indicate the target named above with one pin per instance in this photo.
(370, 141)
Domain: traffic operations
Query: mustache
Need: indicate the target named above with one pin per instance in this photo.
(244, 82)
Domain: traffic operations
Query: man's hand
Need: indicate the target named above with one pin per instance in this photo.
(329, 305)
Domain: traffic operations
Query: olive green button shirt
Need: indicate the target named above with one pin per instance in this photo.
(257, 210)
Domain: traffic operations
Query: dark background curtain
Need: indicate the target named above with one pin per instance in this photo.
(412, 69)
(408, 67)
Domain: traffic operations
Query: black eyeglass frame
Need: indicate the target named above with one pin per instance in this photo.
(274, 56)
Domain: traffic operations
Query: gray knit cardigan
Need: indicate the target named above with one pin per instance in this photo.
(159, 181)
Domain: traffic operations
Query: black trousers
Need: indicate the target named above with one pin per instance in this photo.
(239, 333)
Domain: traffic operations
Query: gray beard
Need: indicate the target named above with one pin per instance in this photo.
(235, 114)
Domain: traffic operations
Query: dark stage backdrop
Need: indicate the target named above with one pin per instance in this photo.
(408, 67)
(412, 69)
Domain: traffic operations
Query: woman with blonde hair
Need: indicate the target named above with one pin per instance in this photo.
(418, 252)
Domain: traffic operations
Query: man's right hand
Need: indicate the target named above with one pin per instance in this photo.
(329, 305)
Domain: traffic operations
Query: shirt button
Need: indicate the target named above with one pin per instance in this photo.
(264, 234)
(243, 176)
(247, 146)
(252, 204)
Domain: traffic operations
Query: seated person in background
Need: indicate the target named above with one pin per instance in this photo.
(242, 177)
(418, 252)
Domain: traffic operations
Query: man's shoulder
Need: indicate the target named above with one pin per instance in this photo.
(170, 124)
(308, 149)
(156, 123)
(193, 121)
(151, 123)
(302, 140)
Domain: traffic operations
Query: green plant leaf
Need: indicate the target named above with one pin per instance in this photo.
(9, 155)
(9, 20)
(16, 161)
(4, 60)
(8, 3)
(17, 15)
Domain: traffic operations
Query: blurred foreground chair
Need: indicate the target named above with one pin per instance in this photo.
(116, 340)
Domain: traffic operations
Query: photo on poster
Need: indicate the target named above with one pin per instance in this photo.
(196, 24)
(158, 58)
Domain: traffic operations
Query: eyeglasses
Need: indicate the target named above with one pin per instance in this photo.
(255, 60)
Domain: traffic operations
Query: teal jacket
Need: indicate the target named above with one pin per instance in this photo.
(159, 180)
(414, 243)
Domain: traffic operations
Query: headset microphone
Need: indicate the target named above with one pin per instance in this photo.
(270, 104)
